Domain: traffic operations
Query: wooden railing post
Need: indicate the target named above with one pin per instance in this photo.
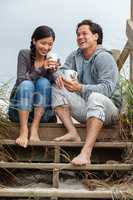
(131, 54)
(131, 66)
(132, 10)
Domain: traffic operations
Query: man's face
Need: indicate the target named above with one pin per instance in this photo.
(85, 38)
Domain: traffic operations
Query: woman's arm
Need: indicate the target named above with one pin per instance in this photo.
(23, 65)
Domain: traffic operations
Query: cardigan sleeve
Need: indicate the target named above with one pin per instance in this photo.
(22, 66)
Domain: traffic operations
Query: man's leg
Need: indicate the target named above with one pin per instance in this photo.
(93, 127)
(67, 104)
(100, 109)
(64, 114)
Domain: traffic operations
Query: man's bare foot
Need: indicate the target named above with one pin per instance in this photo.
(22, 140)
(69, 137)
(81, 159)
(34, 137)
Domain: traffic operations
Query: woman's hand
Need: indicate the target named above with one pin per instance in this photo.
(51, 64)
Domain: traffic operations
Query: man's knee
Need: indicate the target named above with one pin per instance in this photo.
(96, 97)
(58, 97)
(95, 106)
(101, 107)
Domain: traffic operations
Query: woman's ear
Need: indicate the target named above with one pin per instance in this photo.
(34, 42)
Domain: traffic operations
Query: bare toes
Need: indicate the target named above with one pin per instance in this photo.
(58, 139)
(22, 142)
(80, 160)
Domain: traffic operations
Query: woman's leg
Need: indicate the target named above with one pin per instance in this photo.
(22, 140)
(24, 98)
(42, 99)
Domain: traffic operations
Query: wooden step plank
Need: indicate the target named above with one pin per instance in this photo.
(60, 125)
(65, 166)
(63, 193)
(71, 144)
(49, 131)
(48, 154)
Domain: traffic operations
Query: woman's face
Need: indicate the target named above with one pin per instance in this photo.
(43, 46)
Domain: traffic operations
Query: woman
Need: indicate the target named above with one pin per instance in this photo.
(30, 99)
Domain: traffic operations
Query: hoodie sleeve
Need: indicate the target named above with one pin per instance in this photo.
(69, 64)
(106, 76)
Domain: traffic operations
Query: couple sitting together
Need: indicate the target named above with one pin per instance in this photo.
(42, 88)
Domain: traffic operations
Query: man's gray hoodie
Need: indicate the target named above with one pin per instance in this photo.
(99, 73)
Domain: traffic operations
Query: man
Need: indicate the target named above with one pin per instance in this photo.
(94, 98)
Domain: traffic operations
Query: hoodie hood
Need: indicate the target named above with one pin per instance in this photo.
(99, 49)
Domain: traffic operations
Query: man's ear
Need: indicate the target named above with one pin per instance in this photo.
(96, 36)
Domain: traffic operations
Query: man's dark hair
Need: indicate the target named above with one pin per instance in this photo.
(94, 28)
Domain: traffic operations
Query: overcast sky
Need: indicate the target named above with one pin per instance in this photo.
(20, 17)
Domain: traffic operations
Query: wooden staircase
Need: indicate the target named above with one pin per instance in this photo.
(53, 157)
(48, 156)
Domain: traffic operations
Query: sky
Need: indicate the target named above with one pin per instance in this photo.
(19, 18)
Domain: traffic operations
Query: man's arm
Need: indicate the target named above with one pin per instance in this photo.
(106, 75)
(69, 64)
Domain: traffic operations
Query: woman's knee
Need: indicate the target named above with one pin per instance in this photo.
(42, 95)
(43, 84)
(24, 95)
(26, 85)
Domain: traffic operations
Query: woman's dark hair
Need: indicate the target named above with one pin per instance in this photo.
(94, 28)
(39, 33)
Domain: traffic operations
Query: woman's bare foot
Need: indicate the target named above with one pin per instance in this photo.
(69, 137)
(81, 159)
(22, 140)
(34, 137)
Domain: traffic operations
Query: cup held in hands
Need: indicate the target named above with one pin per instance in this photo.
(53, 57)
(70, 74)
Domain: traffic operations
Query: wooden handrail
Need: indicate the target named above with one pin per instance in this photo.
(123, 56)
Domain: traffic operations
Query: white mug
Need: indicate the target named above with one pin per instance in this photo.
(70, 74)
(52, 56)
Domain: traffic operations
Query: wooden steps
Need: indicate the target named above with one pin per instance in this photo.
(107, 151)
(49, 131)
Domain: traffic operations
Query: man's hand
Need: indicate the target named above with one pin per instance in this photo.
(72, 85)
(59, 82)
